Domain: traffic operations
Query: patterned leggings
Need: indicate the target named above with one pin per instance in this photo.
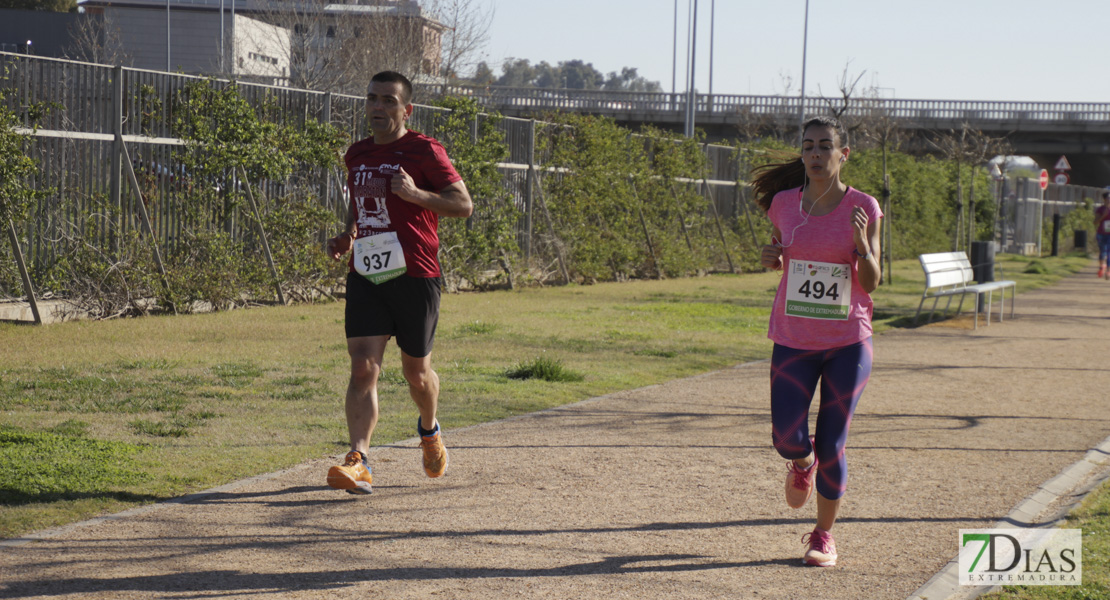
(843, 373)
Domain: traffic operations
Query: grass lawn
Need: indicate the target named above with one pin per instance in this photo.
(98, 417)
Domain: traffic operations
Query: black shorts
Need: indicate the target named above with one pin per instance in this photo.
(406, 308)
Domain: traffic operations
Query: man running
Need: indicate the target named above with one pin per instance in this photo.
(400, 183)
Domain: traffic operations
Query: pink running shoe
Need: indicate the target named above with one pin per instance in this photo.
(799, 482)
(822, 548)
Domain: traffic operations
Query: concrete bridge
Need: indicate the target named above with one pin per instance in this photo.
(1042, 130)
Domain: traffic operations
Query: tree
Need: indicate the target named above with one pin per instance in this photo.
(630, 81)
(483, 75)
(96, 39)
(877, 126)
(971, 146)
(579, 75)
(547, 76)
(516, 72)
(569, 74)
(41, 5)
(841, 109)
(467, 25)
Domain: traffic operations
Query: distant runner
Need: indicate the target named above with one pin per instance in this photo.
(1102, 235)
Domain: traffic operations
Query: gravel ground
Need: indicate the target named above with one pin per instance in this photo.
(669, 491)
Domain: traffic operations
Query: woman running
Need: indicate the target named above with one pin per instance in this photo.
(826, 241)
(1102, 235)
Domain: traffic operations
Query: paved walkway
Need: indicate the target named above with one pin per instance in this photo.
(670, 491)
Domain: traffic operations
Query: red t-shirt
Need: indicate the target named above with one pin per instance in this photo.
(370, 170)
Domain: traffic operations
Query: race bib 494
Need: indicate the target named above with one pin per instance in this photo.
(818, 290)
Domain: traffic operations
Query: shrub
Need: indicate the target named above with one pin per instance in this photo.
(470, 249)
(544, 368)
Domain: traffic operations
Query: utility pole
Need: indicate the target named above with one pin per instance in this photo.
(691, 95)
(712, 15)
(674, 49)
(802, 103)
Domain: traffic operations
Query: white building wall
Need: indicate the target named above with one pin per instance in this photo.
(261, 50)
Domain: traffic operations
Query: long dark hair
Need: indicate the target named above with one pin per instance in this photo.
(772, 178)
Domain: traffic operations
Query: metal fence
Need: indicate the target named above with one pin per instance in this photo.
(99, 114)
(1024, 209)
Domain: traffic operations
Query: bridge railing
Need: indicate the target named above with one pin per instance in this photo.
(617, 102)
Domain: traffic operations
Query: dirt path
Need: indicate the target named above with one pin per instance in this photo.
(670, 491)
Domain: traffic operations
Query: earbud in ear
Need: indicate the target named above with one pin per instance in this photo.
(843, 158)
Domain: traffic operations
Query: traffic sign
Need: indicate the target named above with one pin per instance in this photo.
(1060, 178)
(1062, 164)
(1044, 179)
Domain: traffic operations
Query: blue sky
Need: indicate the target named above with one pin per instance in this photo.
(942, 49)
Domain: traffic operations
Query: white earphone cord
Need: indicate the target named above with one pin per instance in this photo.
(805, 214)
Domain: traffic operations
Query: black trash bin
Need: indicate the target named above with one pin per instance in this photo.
(982, 266)
(982, 261)
(1081, 240)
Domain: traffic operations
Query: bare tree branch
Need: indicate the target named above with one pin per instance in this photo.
(467, 25)
(95, 39)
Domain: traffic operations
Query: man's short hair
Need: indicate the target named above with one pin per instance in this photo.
(393, 77)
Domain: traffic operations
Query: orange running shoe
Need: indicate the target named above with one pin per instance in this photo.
(799, 481)
(1101, 271)
(353, 475)
(799, 484)
(435, 454)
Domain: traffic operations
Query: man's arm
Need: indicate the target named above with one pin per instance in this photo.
(341, 244)
(452, 201)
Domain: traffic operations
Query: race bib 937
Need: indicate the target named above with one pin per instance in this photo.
(380, 258)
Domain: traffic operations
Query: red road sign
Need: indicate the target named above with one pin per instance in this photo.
(1060, 178)
(1044, 179)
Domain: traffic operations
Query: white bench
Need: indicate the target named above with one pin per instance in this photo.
(950, 274)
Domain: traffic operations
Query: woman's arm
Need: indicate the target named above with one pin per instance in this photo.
(865, 233)
(771, 257)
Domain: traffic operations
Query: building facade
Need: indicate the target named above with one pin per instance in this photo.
(327, 46)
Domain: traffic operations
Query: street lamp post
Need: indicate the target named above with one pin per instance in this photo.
(674, 49)
(1000, 183)
(802, 102)
(691, 95)
(712, 15)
